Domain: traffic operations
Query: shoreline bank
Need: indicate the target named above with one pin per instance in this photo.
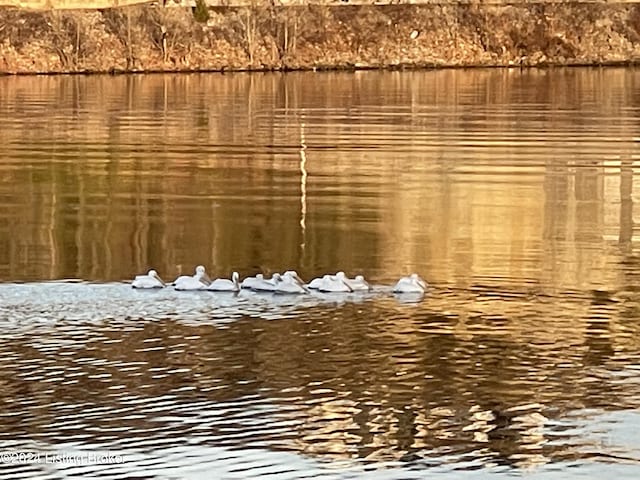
(153, 39)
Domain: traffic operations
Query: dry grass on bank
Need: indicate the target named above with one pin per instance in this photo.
(265, 37)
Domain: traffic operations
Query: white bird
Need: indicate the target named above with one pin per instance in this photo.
(249, 282)
(291, 283)
(293, 274)
(268, 285)
(150, 280)
(334, 283)
(358, 284)
(226, 285)
(199, 281)
(200, 273)
(411, 284)
(316, 282)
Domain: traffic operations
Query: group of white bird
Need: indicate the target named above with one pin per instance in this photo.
(288, 282)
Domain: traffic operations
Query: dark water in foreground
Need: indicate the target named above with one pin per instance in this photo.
(512, 193)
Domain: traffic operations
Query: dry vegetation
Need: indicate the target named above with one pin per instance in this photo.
(266, 37)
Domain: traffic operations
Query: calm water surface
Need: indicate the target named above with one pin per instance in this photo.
(513, 193)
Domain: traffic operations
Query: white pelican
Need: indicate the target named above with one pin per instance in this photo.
(316, 282)
(293, 274)
(249, 282)
(268, 285)
(200, 274)
(290, 283)
(199, 281)
(226, 285)
(411, 284)
(334, 283)
(358, 284)
(150, 280)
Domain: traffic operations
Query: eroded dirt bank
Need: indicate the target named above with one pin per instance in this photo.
(152, 38)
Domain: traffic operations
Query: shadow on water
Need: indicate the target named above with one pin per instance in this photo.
(511, 192)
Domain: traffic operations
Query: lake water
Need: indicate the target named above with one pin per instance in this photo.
(513, 193)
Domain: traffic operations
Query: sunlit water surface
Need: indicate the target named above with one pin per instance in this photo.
(512, 192)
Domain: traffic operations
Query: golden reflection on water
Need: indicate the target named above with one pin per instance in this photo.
(374, 382)
(513, 192)
(463, 175)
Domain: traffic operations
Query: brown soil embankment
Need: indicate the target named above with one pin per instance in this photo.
(152, 38)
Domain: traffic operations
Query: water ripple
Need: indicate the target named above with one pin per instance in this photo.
(511, 191)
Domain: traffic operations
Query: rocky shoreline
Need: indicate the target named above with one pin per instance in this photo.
(151, 38)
